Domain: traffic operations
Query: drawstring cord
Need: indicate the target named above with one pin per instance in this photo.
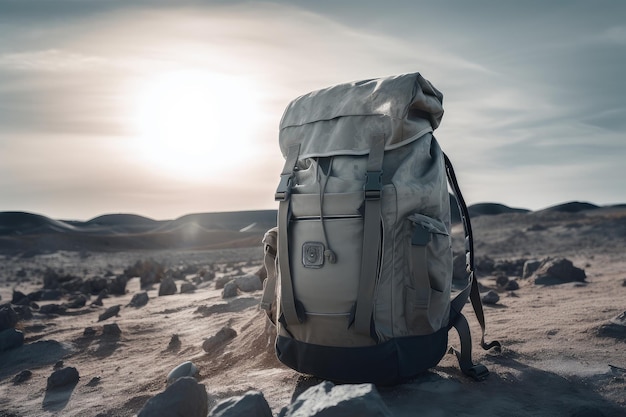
(329, 254)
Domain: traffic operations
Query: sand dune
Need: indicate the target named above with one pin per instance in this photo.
(559, 356)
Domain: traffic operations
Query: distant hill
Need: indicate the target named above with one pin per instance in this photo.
(571, 207)
(490, 209)
(27, 233)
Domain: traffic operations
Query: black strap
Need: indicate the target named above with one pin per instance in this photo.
(471, 290)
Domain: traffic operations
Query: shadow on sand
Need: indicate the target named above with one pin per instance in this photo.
(56, 399)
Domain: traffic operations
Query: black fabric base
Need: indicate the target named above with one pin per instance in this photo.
(388, 363)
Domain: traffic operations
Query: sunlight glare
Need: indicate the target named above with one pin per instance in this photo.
(195, 124)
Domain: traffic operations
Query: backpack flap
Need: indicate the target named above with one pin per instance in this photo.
(341, 120)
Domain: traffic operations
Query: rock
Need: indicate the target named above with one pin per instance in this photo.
(49, 309)
(174, 343)
(167, 287)
(616, 327)
(187, 287)
(222, 281)
(329, 400)
(11, 339)
(58, 365)
(248, 283)
(530, 267)
(149, 272)
(139, 300)
(230, 290)
(22, 377)
(250, 404)
(502, 281)
(187, 368)
(558, 271)
(8, 317)
(89, 332)
(222, 337)
(110, 312)
(93, 382)
(512, 285)
(18, 297)
(62, 377)
(117, 285)
(185, 397)
(111, 330)
(77, 302)
(490, 297)
(23, 312)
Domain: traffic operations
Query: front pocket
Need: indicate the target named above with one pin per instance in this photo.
(322, 286)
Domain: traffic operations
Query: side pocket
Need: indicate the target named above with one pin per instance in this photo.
(427, 297)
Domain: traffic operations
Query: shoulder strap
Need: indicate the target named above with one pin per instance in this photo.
(457, 320)
(371, 236)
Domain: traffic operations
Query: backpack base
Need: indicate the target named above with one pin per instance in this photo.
(392, 362)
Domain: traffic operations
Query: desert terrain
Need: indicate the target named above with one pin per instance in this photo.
(564, 343)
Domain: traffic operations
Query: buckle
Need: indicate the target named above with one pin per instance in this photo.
(284, 188)
(373, 185)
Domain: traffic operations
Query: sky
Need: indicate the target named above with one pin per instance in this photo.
(165, 108)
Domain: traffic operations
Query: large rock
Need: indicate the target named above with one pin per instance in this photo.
(329, 400)
(185, 397)
(558, 271)
(251, 404)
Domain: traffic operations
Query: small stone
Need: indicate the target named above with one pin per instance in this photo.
(139, 300)
(22, 377)
(111, 330)
(110, 312)
(224, 335)
(490, 297)
(89, 332)
(512, 285)
(174, 342)
(167, 287)
(94, 381)
(230, 290)
(62, 377)
(185, 397)
(187, 287)
(58, 365)
(187, 368)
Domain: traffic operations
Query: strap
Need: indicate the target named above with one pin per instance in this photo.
(471, 290)
(478, 372)
(419, 268)
(287, 297)
(371, 236)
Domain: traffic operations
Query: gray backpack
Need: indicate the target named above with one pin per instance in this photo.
(360, 264)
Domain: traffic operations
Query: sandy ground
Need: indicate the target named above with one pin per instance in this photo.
(553, 362)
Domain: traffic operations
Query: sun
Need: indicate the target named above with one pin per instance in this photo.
(193, 123)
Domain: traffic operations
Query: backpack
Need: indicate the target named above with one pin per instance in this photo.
(360, 264)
